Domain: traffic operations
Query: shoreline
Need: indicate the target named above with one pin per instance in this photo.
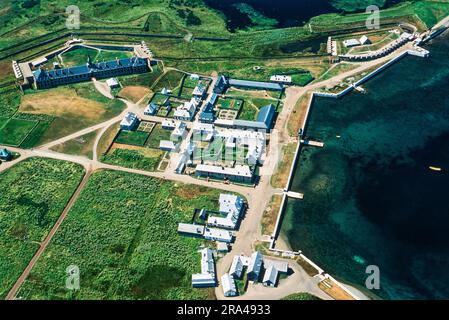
(279, 240)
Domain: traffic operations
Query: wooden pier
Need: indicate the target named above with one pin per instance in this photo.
(313, 143)
(295, 195)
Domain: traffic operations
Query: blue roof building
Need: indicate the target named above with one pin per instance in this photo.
(208, 114)
(5, 155)
(56, 77)
(151, 109)
(266, 115)
(221, 85)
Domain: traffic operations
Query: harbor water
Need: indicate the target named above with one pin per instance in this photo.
(378, 192)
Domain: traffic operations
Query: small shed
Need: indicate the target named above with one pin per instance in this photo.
(112, 83)
(364, 40)
(270, 277)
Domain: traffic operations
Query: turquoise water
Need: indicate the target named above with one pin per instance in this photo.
(370, 197)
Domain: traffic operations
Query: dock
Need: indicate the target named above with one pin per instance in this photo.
(313, 143)
(295, 195)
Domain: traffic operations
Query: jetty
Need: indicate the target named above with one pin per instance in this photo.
(295, 195)
(313, 143)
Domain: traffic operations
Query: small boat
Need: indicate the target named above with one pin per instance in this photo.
(435, 169)
(338, 137)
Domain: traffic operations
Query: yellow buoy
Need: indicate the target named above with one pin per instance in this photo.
(435, 168)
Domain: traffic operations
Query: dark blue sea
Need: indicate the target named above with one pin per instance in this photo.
(370, 197)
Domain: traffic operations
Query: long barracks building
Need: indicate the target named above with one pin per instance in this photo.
(47, 79)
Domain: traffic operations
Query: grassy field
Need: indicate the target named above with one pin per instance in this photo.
(296, 118)
(82, 146)
(301, 296)
(72, 108)
(107, 138)
(157, 135)
(142, 80)
(141, 158)
(9, 101)
(171, 81)
(280, 177)
(136, 16)
(123, 238)
(270, 215)
(338, 69)
(78, 57)
(135, 138)
(253, 101)
(34, 194)
(15, 131)
(134, 93)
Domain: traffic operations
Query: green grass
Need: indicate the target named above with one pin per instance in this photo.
(142, 159)
(157, 135)
(15, 131)
(159, 98)
(78, 57)
(82, 146)
(9, 101)
(123, 238)
(171, 81)
(248, 112)
(301, 296)
(135, 138)
(144, 79)
(34, 194)
(106, 55)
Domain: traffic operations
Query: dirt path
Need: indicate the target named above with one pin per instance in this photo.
(12, 293)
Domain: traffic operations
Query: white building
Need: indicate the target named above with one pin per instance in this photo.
(281, 79)
(270, 277)
(185, 111)
(199, 90)
(203, 131)
(112, 83)
(232, 207)
(168, 124)
(215, 234)
(228, 284)
(194, 77)
(240, 173)
(207, 276)
(129, 122)
(222, 247)
(150, 109)
(167, 145)
(236, 267)
(207, 261)
(253, 141)
(200, 280)
(255, 266)
(351, 43)
(364, 40)
(179, 132)
(280, 265)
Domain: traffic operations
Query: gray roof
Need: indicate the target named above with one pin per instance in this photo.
(280, 265)
(256, 263)
(190, 228)
(270, 275)
(256, 84)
